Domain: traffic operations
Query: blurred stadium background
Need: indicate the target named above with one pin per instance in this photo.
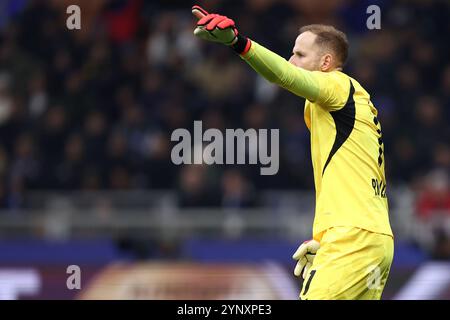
(85, 172)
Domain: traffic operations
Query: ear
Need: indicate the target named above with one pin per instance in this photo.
(326, 62)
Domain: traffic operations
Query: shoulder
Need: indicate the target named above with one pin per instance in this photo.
(334, 78)
(346, 80)
(359, 89)
(334, 88)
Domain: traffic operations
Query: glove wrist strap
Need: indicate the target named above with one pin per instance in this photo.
(242, 45)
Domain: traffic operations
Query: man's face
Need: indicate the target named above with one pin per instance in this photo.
(306, 53)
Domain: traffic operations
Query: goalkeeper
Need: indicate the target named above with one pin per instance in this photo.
(352, 248)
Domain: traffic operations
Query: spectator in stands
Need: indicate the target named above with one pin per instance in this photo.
(195, 190)
(237, 192)
(129, 75)
(433, 209)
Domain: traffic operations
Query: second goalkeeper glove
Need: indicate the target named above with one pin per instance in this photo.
(305, 255)
(217, 28)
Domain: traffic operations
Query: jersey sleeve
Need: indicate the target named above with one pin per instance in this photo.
(328, 89)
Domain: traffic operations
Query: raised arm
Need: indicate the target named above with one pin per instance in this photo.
(279, 71)
(315, 86)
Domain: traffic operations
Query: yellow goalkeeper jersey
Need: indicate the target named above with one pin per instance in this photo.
(346, 143)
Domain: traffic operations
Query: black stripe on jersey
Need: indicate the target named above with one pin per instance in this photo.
(344, 119)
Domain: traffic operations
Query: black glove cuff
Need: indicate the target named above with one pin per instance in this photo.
(240, 45)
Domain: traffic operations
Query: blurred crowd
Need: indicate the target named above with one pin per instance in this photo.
(94, 109)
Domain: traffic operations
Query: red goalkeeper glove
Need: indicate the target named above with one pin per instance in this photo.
(217, 28)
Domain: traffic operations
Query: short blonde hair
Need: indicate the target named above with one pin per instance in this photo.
(331, 38)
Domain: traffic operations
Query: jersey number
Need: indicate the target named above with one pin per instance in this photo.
(380, 142)
(308, 283)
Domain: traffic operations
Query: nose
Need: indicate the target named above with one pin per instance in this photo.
(292, 60)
